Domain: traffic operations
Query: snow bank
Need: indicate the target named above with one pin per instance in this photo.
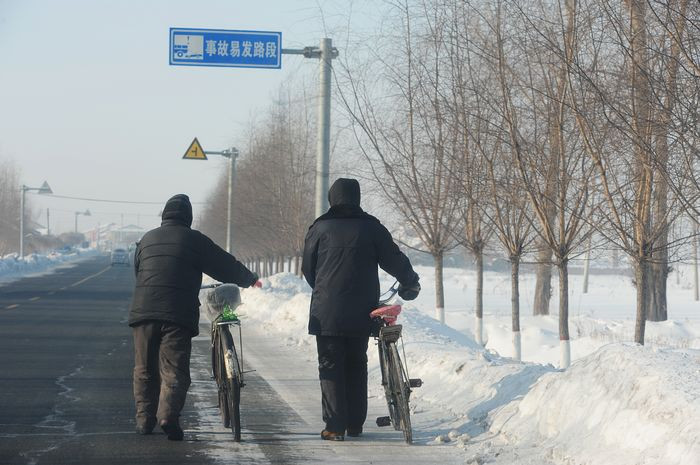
(623, 404)
(12, 267)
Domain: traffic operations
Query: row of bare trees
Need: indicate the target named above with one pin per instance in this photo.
(274, 187)
(9, 207)
(525, 126)
(535, 125)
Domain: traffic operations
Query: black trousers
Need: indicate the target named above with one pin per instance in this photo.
(342, 369)
(161, 370)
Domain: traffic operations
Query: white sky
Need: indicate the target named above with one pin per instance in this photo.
(91, 105)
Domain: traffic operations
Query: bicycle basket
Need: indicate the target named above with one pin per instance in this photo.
(218, 298)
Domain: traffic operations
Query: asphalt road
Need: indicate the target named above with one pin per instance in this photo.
(65, 388)
(65, 373)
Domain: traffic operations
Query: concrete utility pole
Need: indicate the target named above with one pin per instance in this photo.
(325, 52)
(231, 154)
(44, 189)
(85, 213)
(196, 152)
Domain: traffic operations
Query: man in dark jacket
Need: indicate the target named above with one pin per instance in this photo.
(169, 262)
(342, 251)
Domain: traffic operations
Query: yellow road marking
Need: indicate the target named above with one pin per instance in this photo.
(10, 307)
(90, 277)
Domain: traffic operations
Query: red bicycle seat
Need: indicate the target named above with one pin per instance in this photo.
(389, 313)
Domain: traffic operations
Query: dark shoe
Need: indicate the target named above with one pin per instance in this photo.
(172, 429)
(354, 432)
(331, 436)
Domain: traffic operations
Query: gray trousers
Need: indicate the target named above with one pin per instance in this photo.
(161, 370)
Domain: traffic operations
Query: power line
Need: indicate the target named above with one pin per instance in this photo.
(132, 202)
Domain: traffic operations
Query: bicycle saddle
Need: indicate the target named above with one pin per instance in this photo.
(389, 313)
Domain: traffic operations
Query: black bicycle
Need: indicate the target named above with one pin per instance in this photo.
(397, 385)
(225, 360)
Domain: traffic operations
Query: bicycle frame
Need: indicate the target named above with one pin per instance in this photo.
(397, 385)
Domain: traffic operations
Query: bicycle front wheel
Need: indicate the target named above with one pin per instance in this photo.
(219, 371)
(402, 391)
(232, 384)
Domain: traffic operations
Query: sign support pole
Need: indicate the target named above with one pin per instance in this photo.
(231, 154)
(325, 53)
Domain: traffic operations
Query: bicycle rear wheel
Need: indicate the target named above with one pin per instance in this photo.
(232, 384)
(388, 383)
(402, 391)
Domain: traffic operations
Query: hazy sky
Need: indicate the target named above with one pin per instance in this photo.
(90, 104)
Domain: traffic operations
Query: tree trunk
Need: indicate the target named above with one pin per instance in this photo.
(479, 330)
(515, 305)
(543, 281)
(439, 289)
(564, 342)
(696, 287)
(642, 281)
(658, 308)
(289, 264)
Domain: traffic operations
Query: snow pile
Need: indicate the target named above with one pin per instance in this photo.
(12, 267)
(624, 404)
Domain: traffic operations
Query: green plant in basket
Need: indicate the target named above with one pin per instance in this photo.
(228, 314)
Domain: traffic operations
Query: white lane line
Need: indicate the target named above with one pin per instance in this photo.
(34, 299)
(89, 277)
(10, 307)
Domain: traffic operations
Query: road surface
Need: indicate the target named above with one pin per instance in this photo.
(65, 388)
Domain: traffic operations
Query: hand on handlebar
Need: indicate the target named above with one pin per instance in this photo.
(409, 292)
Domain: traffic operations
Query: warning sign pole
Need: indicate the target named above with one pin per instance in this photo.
(196, 152)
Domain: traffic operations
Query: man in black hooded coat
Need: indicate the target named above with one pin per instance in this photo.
(342, 251)
(169, 262)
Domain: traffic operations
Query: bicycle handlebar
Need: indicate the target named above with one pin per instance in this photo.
(393, 290)
(210, 286)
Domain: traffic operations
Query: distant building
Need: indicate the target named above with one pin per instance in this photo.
(126, 235)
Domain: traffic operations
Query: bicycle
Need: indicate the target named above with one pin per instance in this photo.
(225, 360)
(397, 385)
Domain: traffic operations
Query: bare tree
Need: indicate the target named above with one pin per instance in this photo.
(403, 128)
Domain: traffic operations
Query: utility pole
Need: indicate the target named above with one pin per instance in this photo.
(48, 227)
(325, 52)
(196, 152)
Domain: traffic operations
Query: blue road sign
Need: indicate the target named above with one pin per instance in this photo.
(216, 47)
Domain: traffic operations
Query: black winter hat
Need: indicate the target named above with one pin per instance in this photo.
(344, 191)
(178, 209)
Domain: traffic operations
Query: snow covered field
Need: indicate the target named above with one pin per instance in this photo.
(618, 403)
(12, 267)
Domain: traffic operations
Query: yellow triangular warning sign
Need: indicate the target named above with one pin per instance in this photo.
(195, 151)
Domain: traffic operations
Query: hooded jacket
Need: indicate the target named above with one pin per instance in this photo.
(169, 262)
(342, 251)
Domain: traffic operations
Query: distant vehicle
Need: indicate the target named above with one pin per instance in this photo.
(120, 257)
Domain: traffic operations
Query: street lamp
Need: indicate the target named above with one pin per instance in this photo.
(44, 189)
(85, 213)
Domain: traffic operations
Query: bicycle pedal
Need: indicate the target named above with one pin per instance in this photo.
(415, 382)
(383, 421)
